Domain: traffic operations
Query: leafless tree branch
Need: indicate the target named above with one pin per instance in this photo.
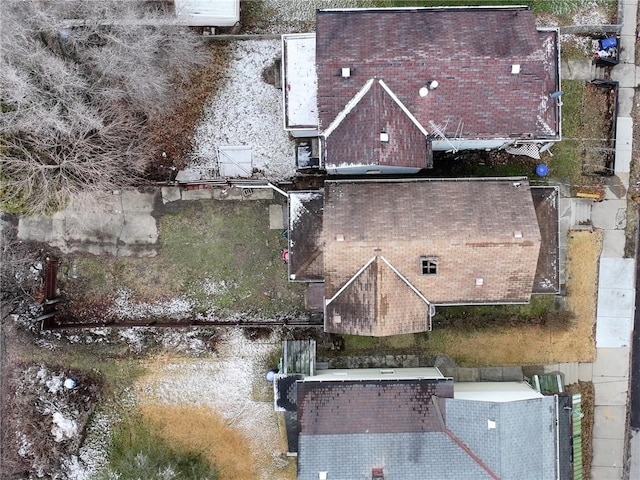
(76, 102)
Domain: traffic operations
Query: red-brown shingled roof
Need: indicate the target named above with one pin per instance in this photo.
(469, 51)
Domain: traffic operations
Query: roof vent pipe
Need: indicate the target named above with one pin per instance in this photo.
(431, 85)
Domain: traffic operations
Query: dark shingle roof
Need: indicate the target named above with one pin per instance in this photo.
(375, 234)
(350, 407)
(468, 50)
(356, 138)
(305, 230)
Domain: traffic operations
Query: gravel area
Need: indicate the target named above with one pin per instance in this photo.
(246, 110)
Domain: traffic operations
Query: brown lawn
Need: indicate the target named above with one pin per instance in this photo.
(538, 344)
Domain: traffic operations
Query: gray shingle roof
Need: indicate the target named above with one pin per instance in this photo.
(522, 444)
(349, 428)
(403, 456)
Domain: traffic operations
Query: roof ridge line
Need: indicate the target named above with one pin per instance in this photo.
(351, 280)
(460, 443)
(403, 108)
(470, 452)
(348, 107)
(405, 280)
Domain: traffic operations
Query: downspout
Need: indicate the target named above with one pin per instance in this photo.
(268, 185)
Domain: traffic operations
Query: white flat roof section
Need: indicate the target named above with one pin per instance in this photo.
(300, 81)
(616, 302)
(376, 374)
(494, 391)
(208, 13)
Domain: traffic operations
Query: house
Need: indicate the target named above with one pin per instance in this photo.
(414, 423)
(389, 86)
(392, 250)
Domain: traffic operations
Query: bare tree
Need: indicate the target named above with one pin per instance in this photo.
(76, 97)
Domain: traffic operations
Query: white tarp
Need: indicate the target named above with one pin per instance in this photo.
(209, 13)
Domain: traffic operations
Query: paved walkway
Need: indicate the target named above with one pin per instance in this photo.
(616, 284)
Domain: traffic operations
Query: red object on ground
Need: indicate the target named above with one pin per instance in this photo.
(285, 256)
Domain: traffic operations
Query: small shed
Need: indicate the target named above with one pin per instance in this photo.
(208, 13)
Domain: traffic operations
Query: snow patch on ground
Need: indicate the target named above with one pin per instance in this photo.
(63, 428)
(125, 308)
(246, 111)
(284, 16)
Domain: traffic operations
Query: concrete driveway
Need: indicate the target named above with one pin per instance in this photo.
(119, 224)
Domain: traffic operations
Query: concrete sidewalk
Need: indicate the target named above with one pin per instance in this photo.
(616, 285)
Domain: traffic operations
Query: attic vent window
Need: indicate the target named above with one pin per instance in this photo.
(428, 266)
(384, 137)
(377, 474)
(479, 282)
(345, 72)
(515, 68)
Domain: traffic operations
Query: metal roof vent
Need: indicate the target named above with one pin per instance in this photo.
(339, 238)
(479, 282)
(491, 425)
(517, 234)
(384, 137)
(432, 85)
(515, 68)
(337, 319)
(323, 475)
(345, 72)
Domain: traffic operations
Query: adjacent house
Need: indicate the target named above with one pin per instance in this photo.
(389, 251)
(383, 88)
(414, 423)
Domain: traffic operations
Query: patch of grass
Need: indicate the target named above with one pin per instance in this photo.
(219, 254)
(137, 451)
(490, 316)
(393, 343)
(225, 253)
(565, 163)
(112, 362)
(199, 429)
